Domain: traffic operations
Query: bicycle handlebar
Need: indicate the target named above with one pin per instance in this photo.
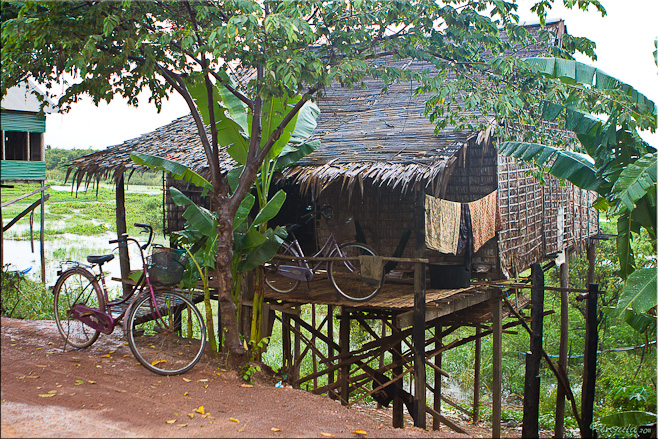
(124, 237)
(326, 211)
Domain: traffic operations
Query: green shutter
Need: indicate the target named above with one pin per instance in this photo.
(26, 122)
(22, 170)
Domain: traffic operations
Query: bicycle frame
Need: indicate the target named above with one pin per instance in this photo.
(306, 273)
(102, 319)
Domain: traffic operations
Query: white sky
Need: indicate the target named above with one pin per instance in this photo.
(624, 45)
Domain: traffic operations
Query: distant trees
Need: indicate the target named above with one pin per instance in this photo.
(58, 158)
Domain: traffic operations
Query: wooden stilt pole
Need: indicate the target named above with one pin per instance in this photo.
(285, 344)
(476, 375)
(296, 360)
(42, 231)
(497, 368)
(436, 422)
(589, 363)
(124, 259)
(533, 359)
(564, 347)
(398, 413)
(315, 358)
(344, 342)
(331, 375)
(418, 334)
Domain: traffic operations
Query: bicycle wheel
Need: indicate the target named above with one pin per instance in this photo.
(76, 286)
(167, 336)
(345, 276)
(273, 277)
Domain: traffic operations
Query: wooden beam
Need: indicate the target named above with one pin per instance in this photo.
(448, 422)
(531, 391)
(27, 210)
(433, 311)
(36, 191)
(497, 369)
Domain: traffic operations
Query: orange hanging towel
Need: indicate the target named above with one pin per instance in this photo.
(485, 219)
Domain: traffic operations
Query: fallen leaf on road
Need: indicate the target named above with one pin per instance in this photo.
(246, 385)
(191, 415)
(327, 434)
(187, 380)
(91, 382)
(41, 365)
(234, 420)
(360, 432)
(171, 421)
(46, 395)
(200, 410)
(275, 429)
(78, 382)
(202, 380)
(182, 425)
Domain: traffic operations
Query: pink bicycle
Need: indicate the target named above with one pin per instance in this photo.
(164, 328)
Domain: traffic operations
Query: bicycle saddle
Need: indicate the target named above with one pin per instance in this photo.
(100, 259)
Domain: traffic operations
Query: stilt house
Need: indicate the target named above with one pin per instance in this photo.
(380, 157)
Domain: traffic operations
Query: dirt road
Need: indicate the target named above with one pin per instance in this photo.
(102, 392)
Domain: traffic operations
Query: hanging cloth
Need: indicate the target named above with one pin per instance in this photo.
(465, 243)
(485, 219)
(442, 219)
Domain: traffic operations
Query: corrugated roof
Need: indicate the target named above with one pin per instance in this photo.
(25, 97)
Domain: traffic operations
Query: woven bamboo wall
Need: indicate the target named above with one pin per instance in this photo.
(382, 213)
(473, 177)
(529, 213)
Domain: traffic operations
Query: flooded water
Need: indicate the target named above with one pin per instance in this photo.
(69, 248)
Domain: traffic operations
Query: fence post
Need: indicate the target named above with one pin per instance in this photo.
(589, 363)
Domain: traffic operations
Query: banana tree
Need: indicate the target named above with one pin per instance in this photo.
(611, 159)
(235, 121)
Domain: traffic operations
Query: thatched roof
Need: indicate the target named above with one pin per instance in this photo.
(178, 141)
(366, 136)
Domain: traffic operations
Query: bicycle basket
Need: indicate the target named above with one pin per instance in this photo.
(166, 265)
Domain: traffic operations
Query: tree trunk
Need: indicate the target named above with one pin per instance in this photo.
(238, 356)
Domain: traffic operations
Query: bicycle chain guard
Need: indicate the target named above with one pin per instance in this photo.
(93, 318)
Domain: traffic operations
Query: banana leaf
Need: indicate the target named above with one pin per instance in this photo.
(639, 293)
(636, 180)
(572, 166)
(178, 171)
(198, 217)
(624, 419)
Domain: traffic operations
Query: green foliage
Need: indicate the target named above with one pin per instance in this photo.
(22, 298)
(57, 158)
